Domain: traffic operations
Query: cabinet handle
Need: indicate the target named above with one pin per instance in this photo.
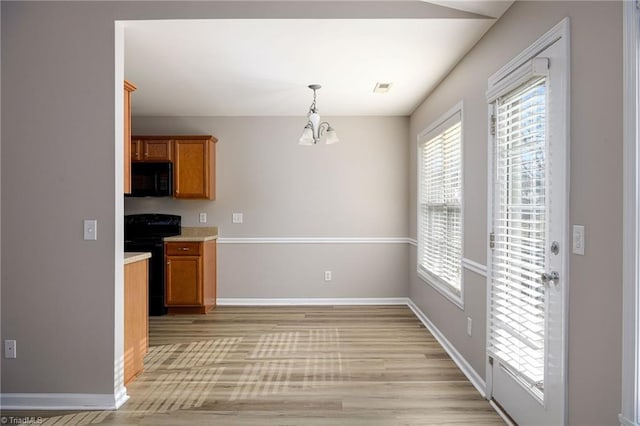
(183, 248)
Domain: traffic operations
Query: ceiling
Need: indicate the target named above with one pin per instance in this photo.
(262, 67)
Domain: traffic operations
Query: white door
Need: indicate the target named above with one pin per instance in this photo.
(528, 222)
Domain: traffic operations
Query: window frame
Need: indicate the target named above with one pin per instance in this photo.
(630, 363)
(435, 129)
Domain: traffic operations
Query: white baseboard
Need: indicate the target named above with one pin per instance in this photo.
(501, 413)
(61, 401)
(475, 379)
(312, 301)
(314, 240)
(121, 397)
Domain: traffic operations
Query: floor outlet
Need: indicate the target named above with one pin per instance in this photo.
(327, 275)
(9, 349)
(469, 326)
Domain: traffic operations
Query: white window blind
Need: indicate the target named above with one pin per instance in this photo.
(517, 315)
(440, 205)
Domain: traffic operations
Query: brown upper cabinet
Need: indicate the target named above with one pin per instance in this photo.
(194, 167)
(151, 149)
(193, 157)
(128, 88)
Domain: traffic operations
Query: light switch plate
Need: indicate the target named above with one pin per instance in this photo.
(90, 229)
(238, 218)
(578, 239)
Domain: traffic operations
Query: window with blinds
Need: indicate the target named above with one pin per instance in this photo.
(517, 312)
(440, 206)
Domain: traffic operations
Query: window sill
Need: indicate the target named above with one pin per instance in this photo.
(457, 300)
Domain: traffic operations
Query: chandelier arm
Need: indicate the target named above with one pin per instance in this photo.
(323, 127)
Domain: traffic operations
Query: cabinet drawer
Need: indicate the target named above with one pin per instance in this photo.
(183, 249)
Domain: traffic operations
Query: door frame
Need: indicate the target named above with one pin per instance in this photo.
(630, 407)
(559, 33)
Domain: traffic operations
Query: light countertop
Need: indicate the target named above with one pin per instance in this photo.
(134, 256)
(195, 234)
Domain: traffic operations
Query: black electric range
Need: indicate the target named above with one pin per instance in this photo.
(145, 233)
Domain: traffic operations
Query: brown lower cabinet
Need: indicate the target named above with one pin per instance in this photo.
(190, 277)
(136, 316)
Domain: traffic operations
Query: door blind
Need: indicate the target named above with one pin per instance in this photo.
(440, 226)
(517, 315)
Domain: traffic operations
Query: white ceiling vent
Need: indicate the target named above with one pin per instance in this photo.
(382, 87)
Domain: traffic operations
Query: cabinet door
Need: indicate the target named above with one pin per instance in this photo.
(157, 150)
(192, 169)
(184, 281)
(136, 317)
(136, 150)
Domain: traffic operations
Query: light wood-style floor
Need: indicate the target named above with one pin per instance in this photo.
(260, 366)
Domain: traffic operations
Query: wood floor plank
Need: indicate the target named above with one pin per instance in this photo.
(336, 365)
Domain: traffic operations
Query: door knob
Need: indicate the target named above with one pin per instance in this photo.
(548, 277)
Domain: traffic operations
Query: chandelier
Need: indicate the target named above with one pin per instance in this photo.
(314, 130)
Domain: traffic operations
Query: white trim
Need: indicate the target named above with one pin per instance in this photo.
(445, 121)
(535, 67)
(118, 283)
(501, 413)
(626, 422)
(476, 267)
(315, 240)
(441, 287)
(61, 401)
(630, 411)
(121, 396)
(412, 242)
(490, 208)
(457, 112)
(550, 37)
(312, 301)
(559, 33)
(457, 357)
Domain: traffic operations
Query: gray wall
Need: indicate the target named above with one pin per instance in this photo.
(356, 188)
(595, 289)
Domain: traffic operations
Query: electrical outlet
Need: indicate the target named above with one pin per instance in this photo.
(90, 229)
(327, 275)
(203, 217)
(237, 218)
(469, 326)
(10, 349)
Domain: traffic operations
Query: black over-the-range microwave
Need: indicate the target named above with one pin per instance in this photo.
(151, 179)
